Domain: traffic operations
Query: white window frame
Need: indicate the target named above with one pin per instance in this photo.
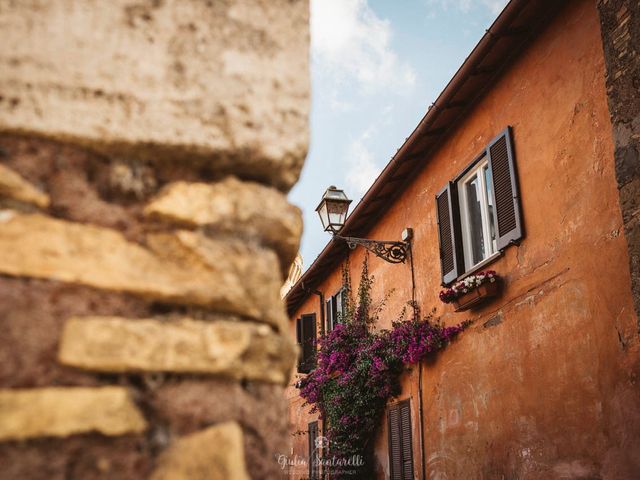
(489, 245)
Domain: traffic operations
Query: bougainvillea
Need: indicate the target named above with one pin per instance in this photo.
(358, 372)
(448, 295)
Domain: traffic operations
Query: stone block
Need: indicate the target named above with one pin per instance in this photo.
(186, 268)
(219, 84)
(64, 411)
(244, 277)
(14, 187)
(216, 453)
(197, 403)
(234, 206)
(238, 350)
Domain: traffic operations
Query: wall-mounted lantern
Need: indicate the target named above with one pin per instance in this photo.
(333, 210)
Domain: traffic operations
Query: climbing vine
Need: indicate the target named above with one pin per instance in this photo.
(358, 371)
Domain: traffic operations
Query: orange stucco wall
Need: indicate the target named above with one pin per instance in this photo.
(543, 385)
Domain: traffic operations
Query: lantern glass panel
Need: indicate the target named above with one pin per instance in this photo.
(324, 215)
(337, 213)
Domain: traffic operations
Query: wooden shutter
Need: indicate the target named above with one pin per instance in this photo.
(395, 444)
(314, 467)
(329, 314)
(400, 441)
(451, 259)
(507, 214)
(308, 339)
(339, 306)
(407, 444)
(299, 342)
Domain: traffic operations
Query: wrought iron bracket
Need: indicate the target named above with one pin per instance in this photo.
(392, 252)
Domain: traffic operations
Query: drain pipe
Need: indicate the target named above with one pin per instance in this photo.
(421, 416)
(321, 298)
(423, 467)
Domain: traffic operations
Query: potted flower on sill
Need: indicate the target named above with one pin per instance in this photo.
(472, 290)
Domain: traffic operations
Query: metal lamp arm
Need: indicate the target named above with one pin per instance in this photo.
(390, 251)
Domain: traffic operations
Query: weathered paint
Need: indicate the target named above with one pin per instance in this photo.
(543, 385)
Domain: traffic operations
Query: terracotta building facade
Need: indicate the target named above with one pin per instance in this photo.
(515, 168)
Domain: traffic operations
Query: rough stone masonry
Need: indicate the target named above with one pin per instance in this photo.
(146, 148)
(620, 29)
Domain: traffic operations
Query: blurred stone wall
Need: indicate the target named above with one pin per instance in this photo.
(146, 149)
(620, 28)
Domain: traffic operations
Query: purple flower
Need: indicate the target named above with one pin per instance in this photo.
(358, 371)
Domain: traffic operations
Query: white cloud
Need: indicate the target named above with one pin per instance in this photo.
(350, 42)
(494, 6)
(362, 169)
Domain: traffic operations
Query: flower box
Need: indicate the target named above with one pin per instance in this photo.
(472, 290)
(476, 296)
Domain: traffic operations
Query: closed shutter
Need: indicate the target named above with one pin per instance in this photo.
(407, 444)
(395, 444)
(451, 259)
(400, 441)
(507, 215)
(314, 466)
(300, 345)
(308, 341)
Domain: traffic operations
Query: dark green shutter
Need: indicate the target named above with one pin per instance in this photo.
(300, 347)
(338, 300)
(507, 214)
(308, 343)
(451, 258)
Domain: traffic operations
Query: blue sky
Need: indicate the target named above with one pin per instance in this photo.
(376, 66)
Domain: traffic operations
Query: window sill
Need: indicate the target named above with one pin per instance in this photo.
(479, 266)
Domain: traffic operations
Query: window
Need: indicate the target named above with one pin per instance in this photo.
(306, 338)
(479, 211)
(314, 451)
(475, 192)
(400, 445)
(336, 307)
